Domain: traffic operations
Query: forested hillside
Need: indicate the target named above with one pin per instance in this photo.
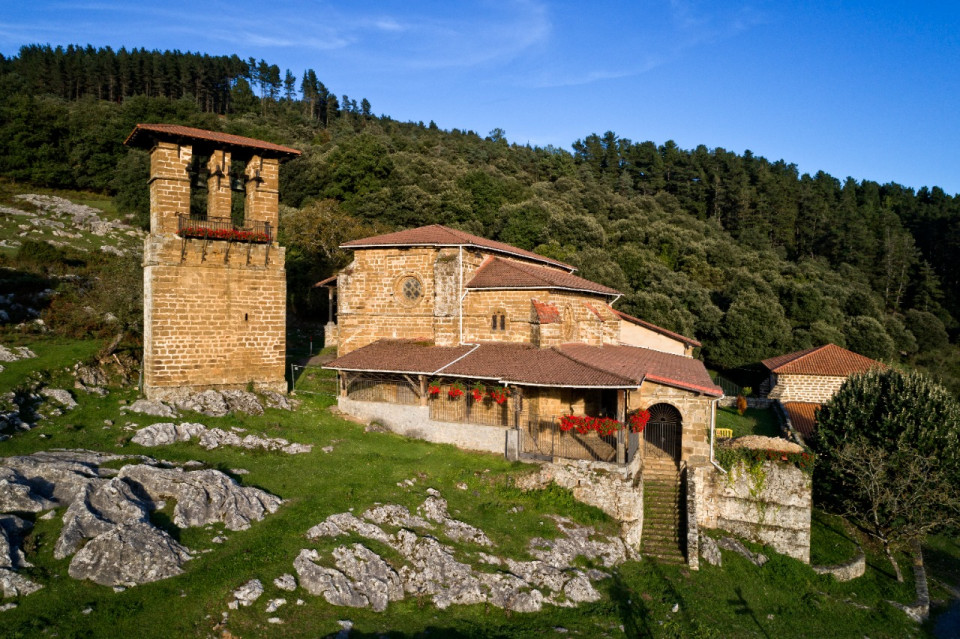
(746, 254)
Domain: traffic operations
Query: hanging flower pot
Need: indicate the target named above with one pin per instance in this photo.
(477, 392)
(638, 420)
(455, 391)
(499, 395)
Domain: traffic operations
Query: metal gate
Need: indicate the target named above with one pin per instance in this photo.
(662, 436)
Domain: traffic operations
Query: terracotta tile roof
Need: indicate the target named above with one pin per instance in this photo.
(501, 273)
(801, 415)
(572, 365)
(399, 356)
(655, 328)
(546, 313)
(829, 360)
(639, 363)
(143, 136)
(439, 235)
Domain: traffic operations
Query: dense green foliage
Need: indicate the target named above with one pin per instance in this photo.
(889, 444)
(745, 254)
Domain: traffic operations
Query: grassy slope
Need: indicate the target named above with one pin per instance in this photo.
(755, 421)
(364, 469)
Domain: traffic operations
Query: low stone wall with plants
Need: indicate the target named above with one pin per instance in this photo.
(767, 501)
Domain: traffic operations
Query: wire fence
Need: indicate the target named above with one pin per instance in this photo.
(393, 389)
(466, 409)
(730, 389)
(542, 436)
(313, 380)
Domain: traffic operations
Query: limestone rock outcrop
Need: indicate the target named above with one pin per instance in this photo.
(361, 578)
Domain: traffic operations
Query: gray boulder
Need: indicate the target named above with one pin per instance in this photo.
(219, 403)
(328, 583)
(729, 543)
(147, 407)
(129, 554)
(15, 585)
(12, 529)
(372, 577)
(435, 508)
(166, 433)
(710, 551)
(16, 495)
(247, 594)
(203, 496)
(102, 506)
(61, 396)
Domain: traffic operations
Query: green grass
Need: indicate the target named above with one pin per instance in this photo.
(832, 540)
(755, 421)
(784, 598)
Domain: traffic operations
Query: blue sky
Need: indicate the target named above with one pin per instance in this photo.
(863, 89)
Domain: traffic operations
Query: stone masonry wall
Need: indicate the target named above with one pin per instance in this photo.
(169, 185)
(770, 506)
(805, 388)
(371, 306)
(215, 319)
(694, 409)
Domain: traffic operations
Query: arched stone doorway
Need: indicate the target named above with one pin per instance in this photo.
(663, 435)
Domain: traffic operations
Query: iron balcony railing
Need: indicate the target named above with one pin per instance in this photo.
(223, 228)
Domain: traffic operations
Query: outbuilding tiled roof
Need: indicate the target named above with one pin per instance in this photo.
(439, 235)
(570, 365)
(802, 417)
(500, 273)
(143, 136)
(829, 360)
(657, 329)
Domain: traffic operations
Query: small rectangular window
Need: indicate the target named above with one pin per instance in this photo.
(493, 323)
(503, 322)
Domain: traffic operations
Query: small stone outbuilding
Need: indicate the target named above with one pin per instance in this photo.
(803, 380)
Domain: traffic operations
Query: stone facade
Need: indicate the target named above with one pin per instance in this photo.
(214, 310)
(214, 316)
(695, 410)
(371, 304)
(815, 389)
(771, 506)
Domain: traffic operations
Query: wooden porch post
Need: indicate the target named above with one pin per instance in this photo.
(423, 389)
(622, 418)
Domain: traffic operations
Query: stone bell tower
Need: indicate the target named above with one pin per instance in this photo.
(214, 288)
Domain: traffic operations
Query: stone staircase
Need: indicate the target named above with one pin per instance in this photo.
(662, 512)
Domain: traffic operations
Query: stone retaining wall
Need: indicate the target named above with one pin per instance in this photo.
(774, 510)
(414, 421)
(616, 490)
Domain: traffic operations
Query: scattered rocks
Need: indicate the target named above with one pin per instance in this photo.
(7, 606)
(15, 353)
(166, 433)
(327, 449)
(361, 578)
(246, 594)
